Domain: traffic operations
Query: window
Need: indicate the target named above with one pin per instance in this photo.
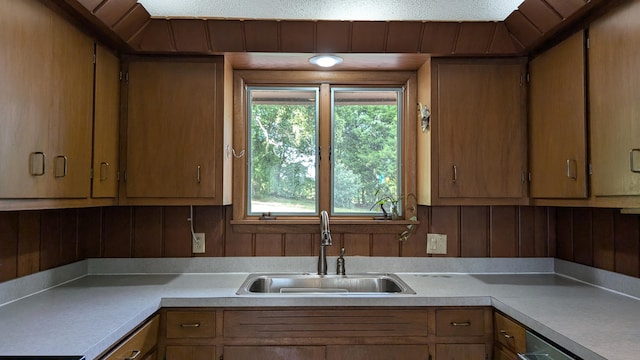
(313, 145)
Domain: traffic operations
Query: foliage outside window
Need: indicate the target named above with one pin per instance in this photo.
(364, 149)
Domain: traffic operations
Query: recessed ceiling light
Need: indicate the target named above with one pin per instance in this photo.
(325, 60)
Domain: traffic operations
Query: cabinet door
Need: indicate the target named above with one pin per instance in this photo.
(190, 353)
(460, 351)
(480, 128)
(377, 352)
(140, 344)
(275, 353)
(558, 121)
(172, 143)
(47, 101)
(70, 125)
(614, 85)
(105, 124)
(25, 45)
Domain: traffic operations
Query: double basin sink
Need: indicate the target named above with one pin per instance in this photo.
(305, 283)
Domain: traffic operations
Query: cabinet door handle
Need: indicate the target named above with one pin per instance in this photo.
(506, 335)
(190, 325)
(104, 171)
(572, 169)
(198, 174)
(632, 161)
(36, 163)
(61, 166)
(134, 355)
(455, 173)
(463, 323)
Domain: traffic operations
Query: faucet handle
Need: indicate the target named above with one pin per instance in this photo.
(340, 268)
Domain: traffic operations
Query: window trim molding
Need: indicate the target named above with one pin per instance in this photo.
(244, 78)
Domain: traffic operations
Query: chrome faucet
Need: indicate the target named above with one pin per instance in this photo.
(325, 240)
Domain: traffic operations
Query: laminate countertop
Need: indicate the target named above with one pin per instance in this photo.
(87, 314)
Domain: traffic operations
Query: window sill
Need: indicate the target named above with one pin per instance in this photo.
(310, 226)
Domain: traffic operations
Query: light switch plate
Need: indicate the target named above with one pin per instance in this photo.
(436, 243)
(197, 246)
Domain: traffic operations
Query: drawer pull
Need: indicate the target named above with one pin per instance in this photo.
(463, 323)
(192, 325)
(134, 355)
(506, 335)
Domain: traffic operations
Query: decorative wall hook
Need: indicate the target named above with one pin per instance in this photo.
(425, 116)
(232, 151)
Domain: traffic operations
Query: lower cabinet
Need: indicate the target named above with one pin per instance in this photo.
(142, 344)
(353, 333)
(274, 352)
(377, 352)
(190, 352)
(510, 338)
(461, 351)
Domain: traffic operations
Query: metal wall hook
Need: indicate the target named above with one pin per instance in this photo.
(232, 151)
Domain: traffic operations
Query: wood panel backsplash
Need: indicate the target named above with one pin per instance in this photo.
(33, 241)
(602, 238)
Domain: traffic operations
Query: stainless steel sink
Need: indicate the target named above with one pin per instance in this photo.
(370, 283)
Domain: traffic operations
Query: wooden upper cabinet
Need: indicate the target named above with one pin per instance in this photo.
(71, 122)
(614, 85)
(105, 124)
(478, 126)
(175, 131)
(46, 104)
(557, 121)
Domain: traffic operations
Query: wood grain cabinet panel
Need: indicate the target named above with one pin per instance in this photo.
(353, 333)
(557, 121)
(509, 334)
(191, 324)
(176, 352)
(175, 131)
(478, 132)
(377, 352)
(323, 323)
(106, 124)
(275, 353)
(614, 84)
(460, 351)
(141, 344)
(460, 322)
(46, 104)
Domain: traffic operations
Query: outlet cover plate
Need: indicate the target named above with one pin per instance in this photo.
(436, 243)
(197, 246)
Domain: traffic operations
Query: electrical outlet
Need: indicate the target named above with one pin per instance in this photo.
(436, 243)
(197, 245)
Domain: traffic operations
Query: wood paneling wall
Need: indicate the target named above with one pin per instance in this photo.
(33, 241)
(603, 238)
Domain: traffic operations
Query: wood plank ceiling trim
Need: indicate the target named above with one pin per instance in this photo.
(218, 36)
(534, 22)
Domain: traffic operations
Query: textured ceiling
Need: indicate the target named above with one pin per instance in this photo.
(420, 10)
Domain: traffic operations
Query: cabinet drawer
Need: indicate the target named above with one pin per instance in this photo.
(140, 343)
(464, 322)
(191, 324)
(324, 323)
(510, 334)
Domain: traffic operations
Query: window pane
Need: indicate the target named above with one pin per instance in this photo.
(282, 150)
(366, 143)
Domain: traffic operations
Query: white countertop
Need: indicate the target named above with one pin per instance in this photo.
(90, 313)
